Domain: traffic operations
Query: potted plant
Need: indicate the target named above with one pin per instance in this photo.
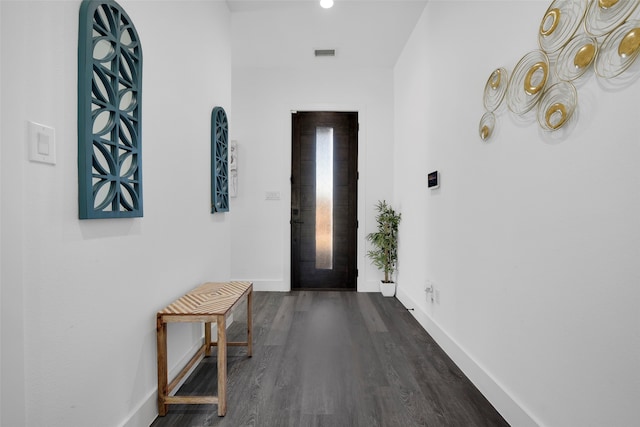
(385, 242)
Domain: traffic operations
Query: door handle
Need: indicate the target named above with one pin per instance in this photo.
(295, 221)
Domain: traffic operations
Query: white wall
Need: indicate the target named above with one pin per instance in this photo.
(79, 297)
(1, 239)
(262, 101)
(533, 239)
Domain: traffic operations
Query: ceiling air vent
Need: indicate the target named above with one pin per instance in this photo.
(325, 52)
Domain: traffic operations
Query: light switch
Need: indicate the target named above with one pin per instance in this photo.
(42, 143)
(272, 195)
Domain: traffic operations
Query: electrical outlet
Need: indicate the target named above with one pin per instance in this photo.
(428, 289)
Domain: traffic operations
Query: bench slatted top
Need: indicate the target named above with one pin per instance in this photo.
(208, 299)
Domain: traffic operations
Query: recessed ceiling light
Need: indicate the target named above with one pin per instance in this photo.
(326, 3)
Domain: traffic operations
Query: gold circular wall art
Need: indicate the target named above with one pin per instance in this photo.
(576, 57)
(573, 35)
(487, 125)
(527, 81)
(495, 89)
(560, 23)
(557, 105)
(619, 50)
(605, 15)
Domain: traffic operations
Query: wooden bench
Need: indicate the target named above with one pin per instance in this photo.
(208, 303)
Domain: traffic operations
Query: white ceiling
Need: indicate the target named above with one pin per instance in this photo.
(364, 33)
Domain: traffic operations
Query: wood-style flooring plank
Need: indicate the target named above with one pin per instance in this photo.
(333, 359)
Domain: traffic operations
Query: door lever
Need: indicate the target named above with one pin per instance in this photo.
(295, 221)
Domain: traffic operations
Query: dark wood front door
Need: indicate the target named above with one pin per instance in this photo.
(324, 198)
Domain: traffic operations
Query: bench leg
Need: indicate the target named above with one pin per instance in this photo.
(207, 339)
(222, 366)
(161, 335)
(249, 324)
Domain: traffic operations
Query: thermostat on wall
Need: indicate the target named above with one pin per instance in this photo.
(434, 179)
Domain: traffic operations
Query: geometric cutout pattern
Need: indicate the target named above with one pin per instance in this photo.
(219, 161)
(109, 112)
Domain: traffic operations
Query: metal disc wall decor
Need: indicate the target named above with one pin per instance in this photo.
(576, 57)
(557, 105)
(560, 23)
(487, 124)
(573, 36)
(527, 81)
(605, 15)
(495, 89)
(619, 50)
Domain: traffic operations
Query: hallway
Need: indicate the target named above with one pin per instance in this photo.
(335, 359)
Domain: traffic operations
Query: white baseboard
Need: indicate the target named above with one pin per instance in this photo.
(281, 286)
(147, 411)
(270, 286)
(512, 411)
(369, 286)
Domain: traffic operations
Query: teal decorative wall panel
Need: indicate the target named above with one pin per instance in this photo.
(219, 161)
(109, 112)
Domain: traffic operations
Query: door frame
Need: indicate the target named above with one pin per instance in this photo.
(347, 125)
(286, 200)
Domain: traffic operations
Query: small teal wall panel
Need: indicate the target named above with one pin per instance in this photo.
(219, 161)
(109, 112)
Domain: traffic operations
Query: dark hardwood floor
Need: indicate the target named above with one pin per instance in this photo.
(334, 359)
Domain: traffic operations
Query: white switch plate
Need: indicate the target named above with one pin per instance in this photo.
(272, 195)
(42, 143)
